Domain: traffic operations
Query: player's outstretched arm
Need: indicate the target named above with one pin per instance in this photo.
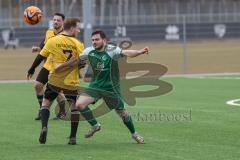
(66, 65)
(135, 53)
(81, 61)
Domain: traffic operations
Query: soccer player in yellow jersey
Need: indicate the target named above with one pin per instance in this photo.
(42, 77)
(60, 49)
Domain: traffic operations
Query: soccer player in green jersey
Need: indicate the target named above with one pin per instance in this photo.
(105, 82)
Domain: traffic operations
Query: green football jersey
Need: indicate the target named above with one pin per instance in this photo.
(105, 66)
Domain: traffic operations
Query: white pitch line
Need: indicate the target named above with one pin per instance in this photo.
(233, 102)
(197, 75)
(203, 75)
(16, 81)
(206, 77)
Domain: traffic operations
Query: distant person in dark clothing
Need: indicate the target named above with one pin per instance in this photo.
(12, 34)
(10, 39)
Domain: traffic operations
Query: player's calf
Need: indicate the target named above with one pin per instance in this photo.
(127, 120)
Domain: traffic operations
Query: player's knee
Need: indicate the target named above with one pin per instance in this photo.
(80, 105)
(46, 103)
(38, 86)
(60, 97)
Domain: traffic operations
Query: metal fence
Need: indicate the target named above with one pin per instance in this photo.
(127, 12)
(219, 27)
(139, 20)
(204, 43)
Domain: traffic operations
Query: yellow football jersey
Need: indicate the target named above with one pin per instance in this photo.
(60, 49)
(49, 34)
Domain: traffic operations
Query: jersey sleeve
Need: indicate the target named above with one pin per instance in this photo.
(85, 53)
(114, 52)
(80, 48)
(46, 49)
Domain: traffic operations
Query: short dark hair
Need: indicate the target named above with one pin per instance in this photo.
(60, 14)
(100, 32)
(70, 22)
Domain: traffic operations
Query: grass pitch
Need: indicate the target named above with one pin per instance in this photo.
(192, 122)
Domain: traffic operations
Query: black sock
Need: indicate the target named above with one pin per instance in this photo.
(75, 116)
(44, 116)
(62, 106)
(40, 99)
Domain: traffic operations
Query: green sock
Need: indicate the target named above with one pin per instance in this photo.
(87, 114)
(129, 123)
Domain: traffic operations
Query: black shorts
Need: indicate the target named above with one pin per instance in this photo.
(43, 76)
(51, 93)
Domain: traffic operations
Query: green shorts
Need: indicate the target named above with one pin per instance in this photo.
(112, 98)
